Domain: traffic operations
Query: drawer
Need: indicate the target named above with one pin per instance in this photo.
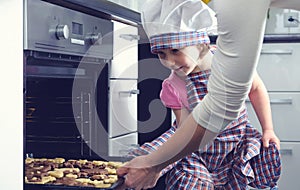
(290, 156)
(122, 107)
(125, 51)
(279, 66)
(285, 111)
(119, 146)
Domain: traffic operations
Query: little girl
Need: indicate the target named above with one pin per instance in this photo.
(235, 159)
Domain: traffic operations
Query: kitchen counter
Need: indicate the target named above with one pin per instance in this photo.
(282, 38)
(100, 8)
(273, 38)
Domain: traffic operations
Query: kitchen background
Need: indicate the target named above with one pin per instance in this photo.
(279, 57)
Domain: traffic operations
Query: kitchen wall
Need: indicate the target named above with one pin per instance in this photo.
(153, 117)
(11, 83)
(277, 21)
(132, 4)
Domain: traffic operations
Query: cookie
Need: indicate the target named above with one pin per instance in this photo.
(42, 180)
(72, 175)
(56, 173)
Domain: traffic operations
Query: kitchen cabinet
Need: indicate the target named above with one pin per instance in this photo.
(278, 67)
(125, 51)
(290, 156)
(123, 107)
(285, 112)
(123, 92)
(120, 146)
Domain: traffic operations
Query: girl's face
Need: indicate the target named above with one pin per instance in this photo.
(182, 61)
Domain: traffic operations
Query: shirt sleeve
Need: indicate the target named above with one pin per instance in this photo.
(241, 27)
(169, 96)
(239, 42)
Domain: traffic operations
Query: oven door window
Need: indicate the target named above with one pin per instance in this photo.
(49, 116)
(52, 126)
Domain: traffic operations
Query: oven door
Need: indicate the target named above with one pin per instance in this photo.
(65, 108)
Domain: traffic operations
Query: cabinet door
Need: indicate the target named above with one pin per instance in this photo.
(290, 156)
(285, 111)
(125, 51)
(122, 107)
(120, 146)
(279, 66)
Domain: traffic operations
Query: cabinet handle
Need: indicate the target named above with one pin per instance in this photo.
(137, 91)
(281, 101)
(286, 151)
(130, 37)
(278, 51)
(277, 101)
(130, 92)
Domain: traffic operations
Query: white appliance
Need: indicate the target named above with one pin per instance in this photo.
(123, 123)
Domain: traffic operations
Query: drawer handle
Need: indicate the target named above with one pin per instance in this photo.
(137, 91)
(130, 92)
(286, 151)
(280, 52)
(130, 37)
(281, 101)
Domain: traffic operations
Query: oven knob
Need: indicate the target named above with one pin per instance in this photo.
(62, 32)
(94, 39)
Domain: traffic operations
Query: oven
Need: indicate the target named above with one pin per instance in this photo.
(66, 82)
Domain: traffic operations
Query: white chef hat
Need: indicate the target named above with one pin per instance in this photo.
(177, 23)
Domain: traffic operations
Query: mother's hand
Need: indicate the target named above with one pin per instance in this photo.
(139, 173)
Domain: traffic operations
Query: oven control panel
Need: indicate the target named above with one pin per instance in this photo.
(52, 28)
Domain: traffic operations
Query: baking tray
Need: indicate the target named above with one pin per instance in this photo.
(66, 187)
(59, 187)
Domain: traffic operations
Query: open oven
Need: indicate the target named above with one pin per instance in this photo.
(65, 106)
(66, 56)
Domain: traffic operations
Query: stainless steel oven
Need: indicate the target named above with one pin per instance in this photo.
(66, 58)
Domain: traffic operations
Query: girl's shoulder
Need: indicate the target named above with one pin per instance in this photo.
(174, 81)
(173, 92)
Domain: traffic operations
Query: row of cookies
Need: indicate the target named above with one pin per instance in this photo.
(59, 171)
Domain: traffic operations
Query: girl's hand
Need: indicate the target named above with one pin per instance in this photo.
(270, 136)
(139, 173)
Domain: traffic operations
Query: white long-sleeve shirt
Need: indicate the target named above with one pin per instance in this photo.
(241, 25)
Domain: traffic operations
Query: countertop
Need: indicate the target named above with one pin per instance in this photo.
(282, 38)
(273, 38)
